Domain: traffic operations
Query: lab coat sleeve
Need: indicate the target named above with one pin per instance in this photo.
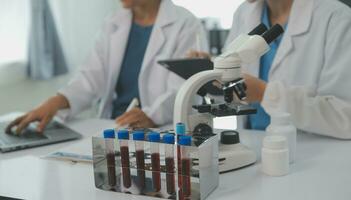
(161, 112)
(85, 87)
(326, 109)
(233, 33)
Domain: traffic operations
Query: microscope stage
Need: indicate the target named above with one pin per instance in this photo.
(222, 110)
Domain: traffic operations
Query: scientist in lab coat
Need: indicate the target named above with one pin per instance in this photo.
(123, 66)
(307, 73)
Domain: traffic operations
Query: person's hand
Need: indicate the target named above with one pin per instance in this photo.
(198, 54)
(43, 114)
(135, 118)
(255, 88)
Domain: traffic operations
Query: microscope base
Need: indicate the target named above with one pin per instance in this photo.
(236, 156)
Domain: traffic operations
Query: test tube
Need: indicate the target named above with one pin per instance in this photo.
(154, 138)
(168, 139)
(183, 142)
(109, 135)
(180, 131)
(123, 137)
(138, 137)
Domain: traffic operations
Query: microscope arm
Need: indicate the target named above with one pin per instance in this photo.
(185, 96)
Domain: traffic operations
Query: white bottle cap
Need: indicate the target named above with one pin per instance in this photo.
(275, 142)
(280, 118)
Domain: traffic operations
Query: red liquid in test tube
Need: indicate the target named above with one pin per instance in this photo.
(185, 188)
(179, 164)
(168, 139)
(138, 137)
(109, 136)
(156, 171)
(125, 166)
(140, 161)
(186, 168)
(154, 138)
(170, 179)
(123, 137)
(111, 169)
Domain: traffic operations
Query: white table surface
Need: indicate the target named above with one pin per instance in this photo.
(322, 171)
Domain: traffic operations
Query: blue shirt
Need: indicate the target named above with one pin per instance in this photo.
(261, 120)
(127, 86)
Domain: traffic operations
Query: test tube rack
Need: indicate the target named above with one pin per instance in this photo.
(110, 175)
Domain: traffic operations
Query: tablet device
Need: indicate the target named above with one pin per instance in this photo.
(188, 67)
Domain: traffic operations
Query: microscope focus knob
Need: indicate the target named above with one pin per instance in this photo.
(230, 137)
(203, 130)
(240, 90)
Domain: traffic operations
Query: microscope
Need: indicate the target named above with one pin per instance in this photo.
(198, 119)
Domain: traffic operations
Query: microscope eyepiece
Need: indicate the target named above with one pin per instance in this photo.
(259, 30)
(273, 33)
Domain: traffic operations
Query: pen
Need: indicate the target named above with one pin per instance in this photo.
(133, 104)
(198, 42)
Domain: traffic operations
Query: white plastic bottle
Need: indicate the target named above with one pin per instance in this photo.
(281, 125)
(275, 156)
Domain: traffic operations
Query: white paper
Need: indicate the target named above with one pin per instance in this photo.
(77, 152)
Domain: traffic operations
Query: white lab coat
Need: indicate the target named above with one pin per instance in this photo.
(311, 74)
(173, 35)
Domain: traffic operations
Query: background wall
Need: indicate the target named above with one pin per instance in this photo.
(14, 24)
(78, 23)
(222, 10)
(347, 2)
(14, 21)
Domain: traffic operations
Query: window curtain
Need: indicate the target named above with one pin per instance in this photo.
(45, 54)
(347, 2)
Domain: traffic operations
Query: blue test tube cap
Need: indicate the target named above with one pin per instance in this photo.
(168, 138)
(154, 137)
(109, 133)
(185, 140)
(123, 134)
(138, 135)
(180, 129)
